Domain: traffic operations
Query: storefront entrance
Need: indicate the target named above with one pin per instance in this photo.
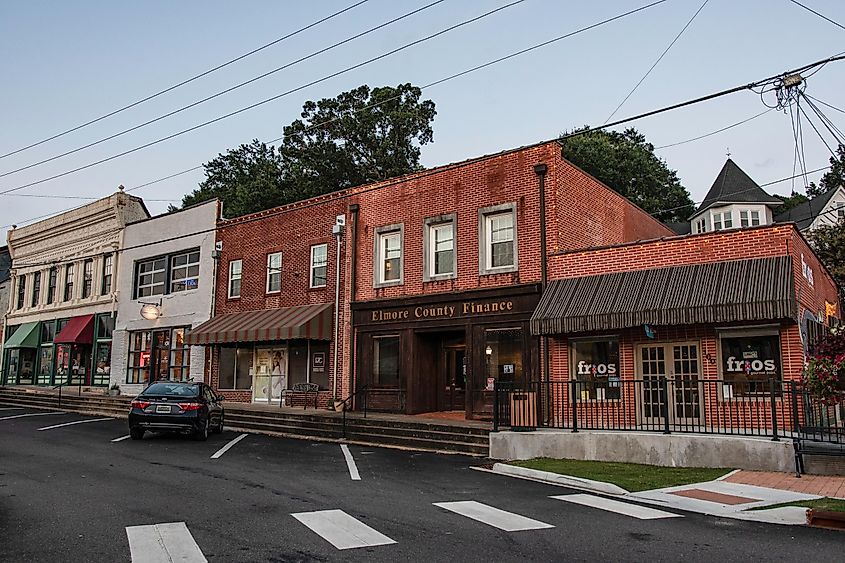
(441, 375)
(680, 364)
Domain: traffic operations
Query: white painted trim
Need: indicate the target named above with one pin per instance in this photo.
(350, 463)
(122, 438)
(227, 447)
(610, 505)
(31, 414)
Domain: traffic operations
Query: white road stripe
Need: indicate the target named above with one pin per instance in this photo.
(122, 438)
(31, 414)
(342, 530)
(350, 463)
(610, 505)
(74, 422)
(11, 408)
(507, 521)
(163, 543)
(225, 448)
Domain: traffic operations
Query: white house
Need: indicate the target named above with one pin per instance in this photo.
(825, 209)
(166, 287)
(63, 302)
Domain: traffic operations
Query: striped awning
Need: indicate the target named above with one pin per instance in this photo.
(716, 292)
(286, 323)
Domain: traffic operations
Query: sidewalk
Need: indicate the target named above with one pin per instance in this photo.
(822, 485)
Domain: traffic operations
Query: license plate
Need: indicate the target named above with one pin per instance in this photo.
(163, 408)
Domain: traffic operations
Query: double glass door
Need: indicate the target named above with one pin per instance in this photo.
(680, 400)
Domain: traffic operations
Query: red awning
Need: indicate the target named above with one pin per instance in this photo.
(286, 323)
(78, 330)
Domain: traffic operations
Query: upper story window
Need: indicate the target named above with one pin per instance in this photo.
(319, 261)
(69, 273)
(701, 225)
(722, 221)
(235, 269)
(21, 291)
(52, 282)
(388, 255)
(108, 263)
(36, 289)
(439, 248)
(749, 218)
(150, 277)
(497, 230)
(185, 271)
(87, 278)
(274, 272)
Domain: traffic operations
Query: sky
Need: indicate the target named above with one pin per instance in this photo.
(65, 63)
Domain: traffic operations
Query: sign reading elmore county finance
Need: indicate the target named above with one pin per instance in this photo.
(463, 309)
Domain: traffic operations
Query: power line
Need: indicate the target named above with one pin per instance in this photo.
(660, 58)
(731, 126)
(225, 91)
(429, 85)
(191, 79)
(824, 103)
(270, 99)
(822, 16)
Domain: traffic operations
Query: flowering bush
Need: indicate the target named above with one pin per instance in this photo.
(824, 374)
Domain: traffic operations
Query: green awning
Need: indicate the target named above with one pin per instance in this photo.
(26, 336)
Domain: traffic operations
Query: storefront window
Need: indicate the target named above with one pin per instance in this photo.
(503, 353)
(102, 362)
(45, 364)
(62, 363)
(159, 354)
(235, 368)
(319, 370)
(750, 364)
(140, 349)
(180, 355)
(270, 373)
(386, 361)
(595, 366)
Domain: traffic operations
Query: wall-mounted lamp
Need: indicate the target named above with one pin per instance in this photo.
(489, 351)
(151, 311)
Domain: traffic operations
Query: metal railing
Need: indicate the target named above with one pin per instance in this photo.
(346, 404)
(765, 408)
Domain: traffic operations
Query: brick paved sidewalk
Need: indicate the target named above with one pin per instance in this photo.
(823, 485)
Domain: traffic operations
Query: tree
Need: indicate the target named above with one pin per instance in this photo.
(833, 178)
(829, 243)
(361, 136)
(246, 179)
(626, 163)
(792, 200)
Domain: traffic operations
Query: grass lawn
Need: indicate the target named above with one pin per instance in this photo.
(632, 477)
(826, 503)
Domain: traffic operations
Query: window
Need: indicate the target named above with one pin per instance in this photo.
(743, 219)
(319, 259)
(439, 243)
(722, 221)
(158, 354)
(701, 226)
(105, 286)
(749, 218)
(595, 367)
(235, 267)
(274, 272)
(150, 277)
(503, 355)
(750, 362)
(234, 368)
(755, 218)
(388, 256)
(386, 361)
(497, 239)
(185, 271)
(52, 281)
(87, 278)
(140, 349)
(180, 355)
(21, 291)
(36, 289)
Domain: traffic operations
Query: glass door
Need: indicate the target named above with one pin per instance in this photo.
(686, 407)
(680, 365)
(652, 364)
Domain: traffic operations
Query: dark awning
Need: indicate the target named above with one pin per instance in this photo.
(717, 292)
(78, 330)
(304, 321)
(25, 336)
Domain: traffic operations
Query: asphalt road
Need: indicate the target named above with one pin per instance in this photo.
(69, 494)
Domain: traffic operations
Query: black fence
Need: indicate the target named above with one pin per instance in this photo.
(766, 408)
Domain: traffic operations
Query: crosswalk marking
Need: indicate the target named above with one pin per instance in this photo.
(507, 521)
(342, 530)
(610, 505)
(163, 543)
(30, 414)
(226, 448)
(87, 420)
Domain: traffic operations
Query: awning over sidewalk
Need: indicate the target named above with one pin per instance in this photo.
(304, 321)
(717, 292)
(78, 330)
(25, 336)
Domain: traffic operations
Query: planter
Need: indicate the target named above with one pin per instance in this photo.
(826, 519)
(114, 392)
(338, 406)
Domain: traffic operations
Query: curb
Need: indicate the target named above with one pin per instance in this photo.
(558, 479)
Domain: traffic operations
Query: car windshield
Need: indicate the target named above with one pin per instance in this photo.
(172, 390)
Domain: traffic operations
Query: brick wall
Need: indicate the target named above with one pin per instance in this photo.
(823, 289)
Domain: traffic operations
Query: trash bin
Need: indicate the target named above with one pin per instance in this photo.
(523, 410)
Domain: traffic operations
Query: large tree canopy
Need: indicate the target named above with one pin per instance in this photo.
(360, 136)
(829, 243)
(626, 163)
(833, 178)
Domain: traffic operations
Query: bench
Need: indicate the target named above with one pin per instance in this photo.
(301, 389)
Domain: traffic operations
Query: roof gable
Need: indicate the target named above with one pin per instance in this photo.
(732, 185)
(804, 214)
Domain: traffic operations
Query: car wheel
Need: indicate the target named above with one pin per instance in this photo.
(136, 433)
(202, 432)
(219, 428)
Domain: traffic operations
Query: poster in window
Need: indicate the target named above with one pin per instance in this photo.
(596, 368)
(318, 362)
(750, 363)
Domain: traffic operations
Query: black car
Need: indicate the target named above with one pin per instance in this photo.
(191, 408)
